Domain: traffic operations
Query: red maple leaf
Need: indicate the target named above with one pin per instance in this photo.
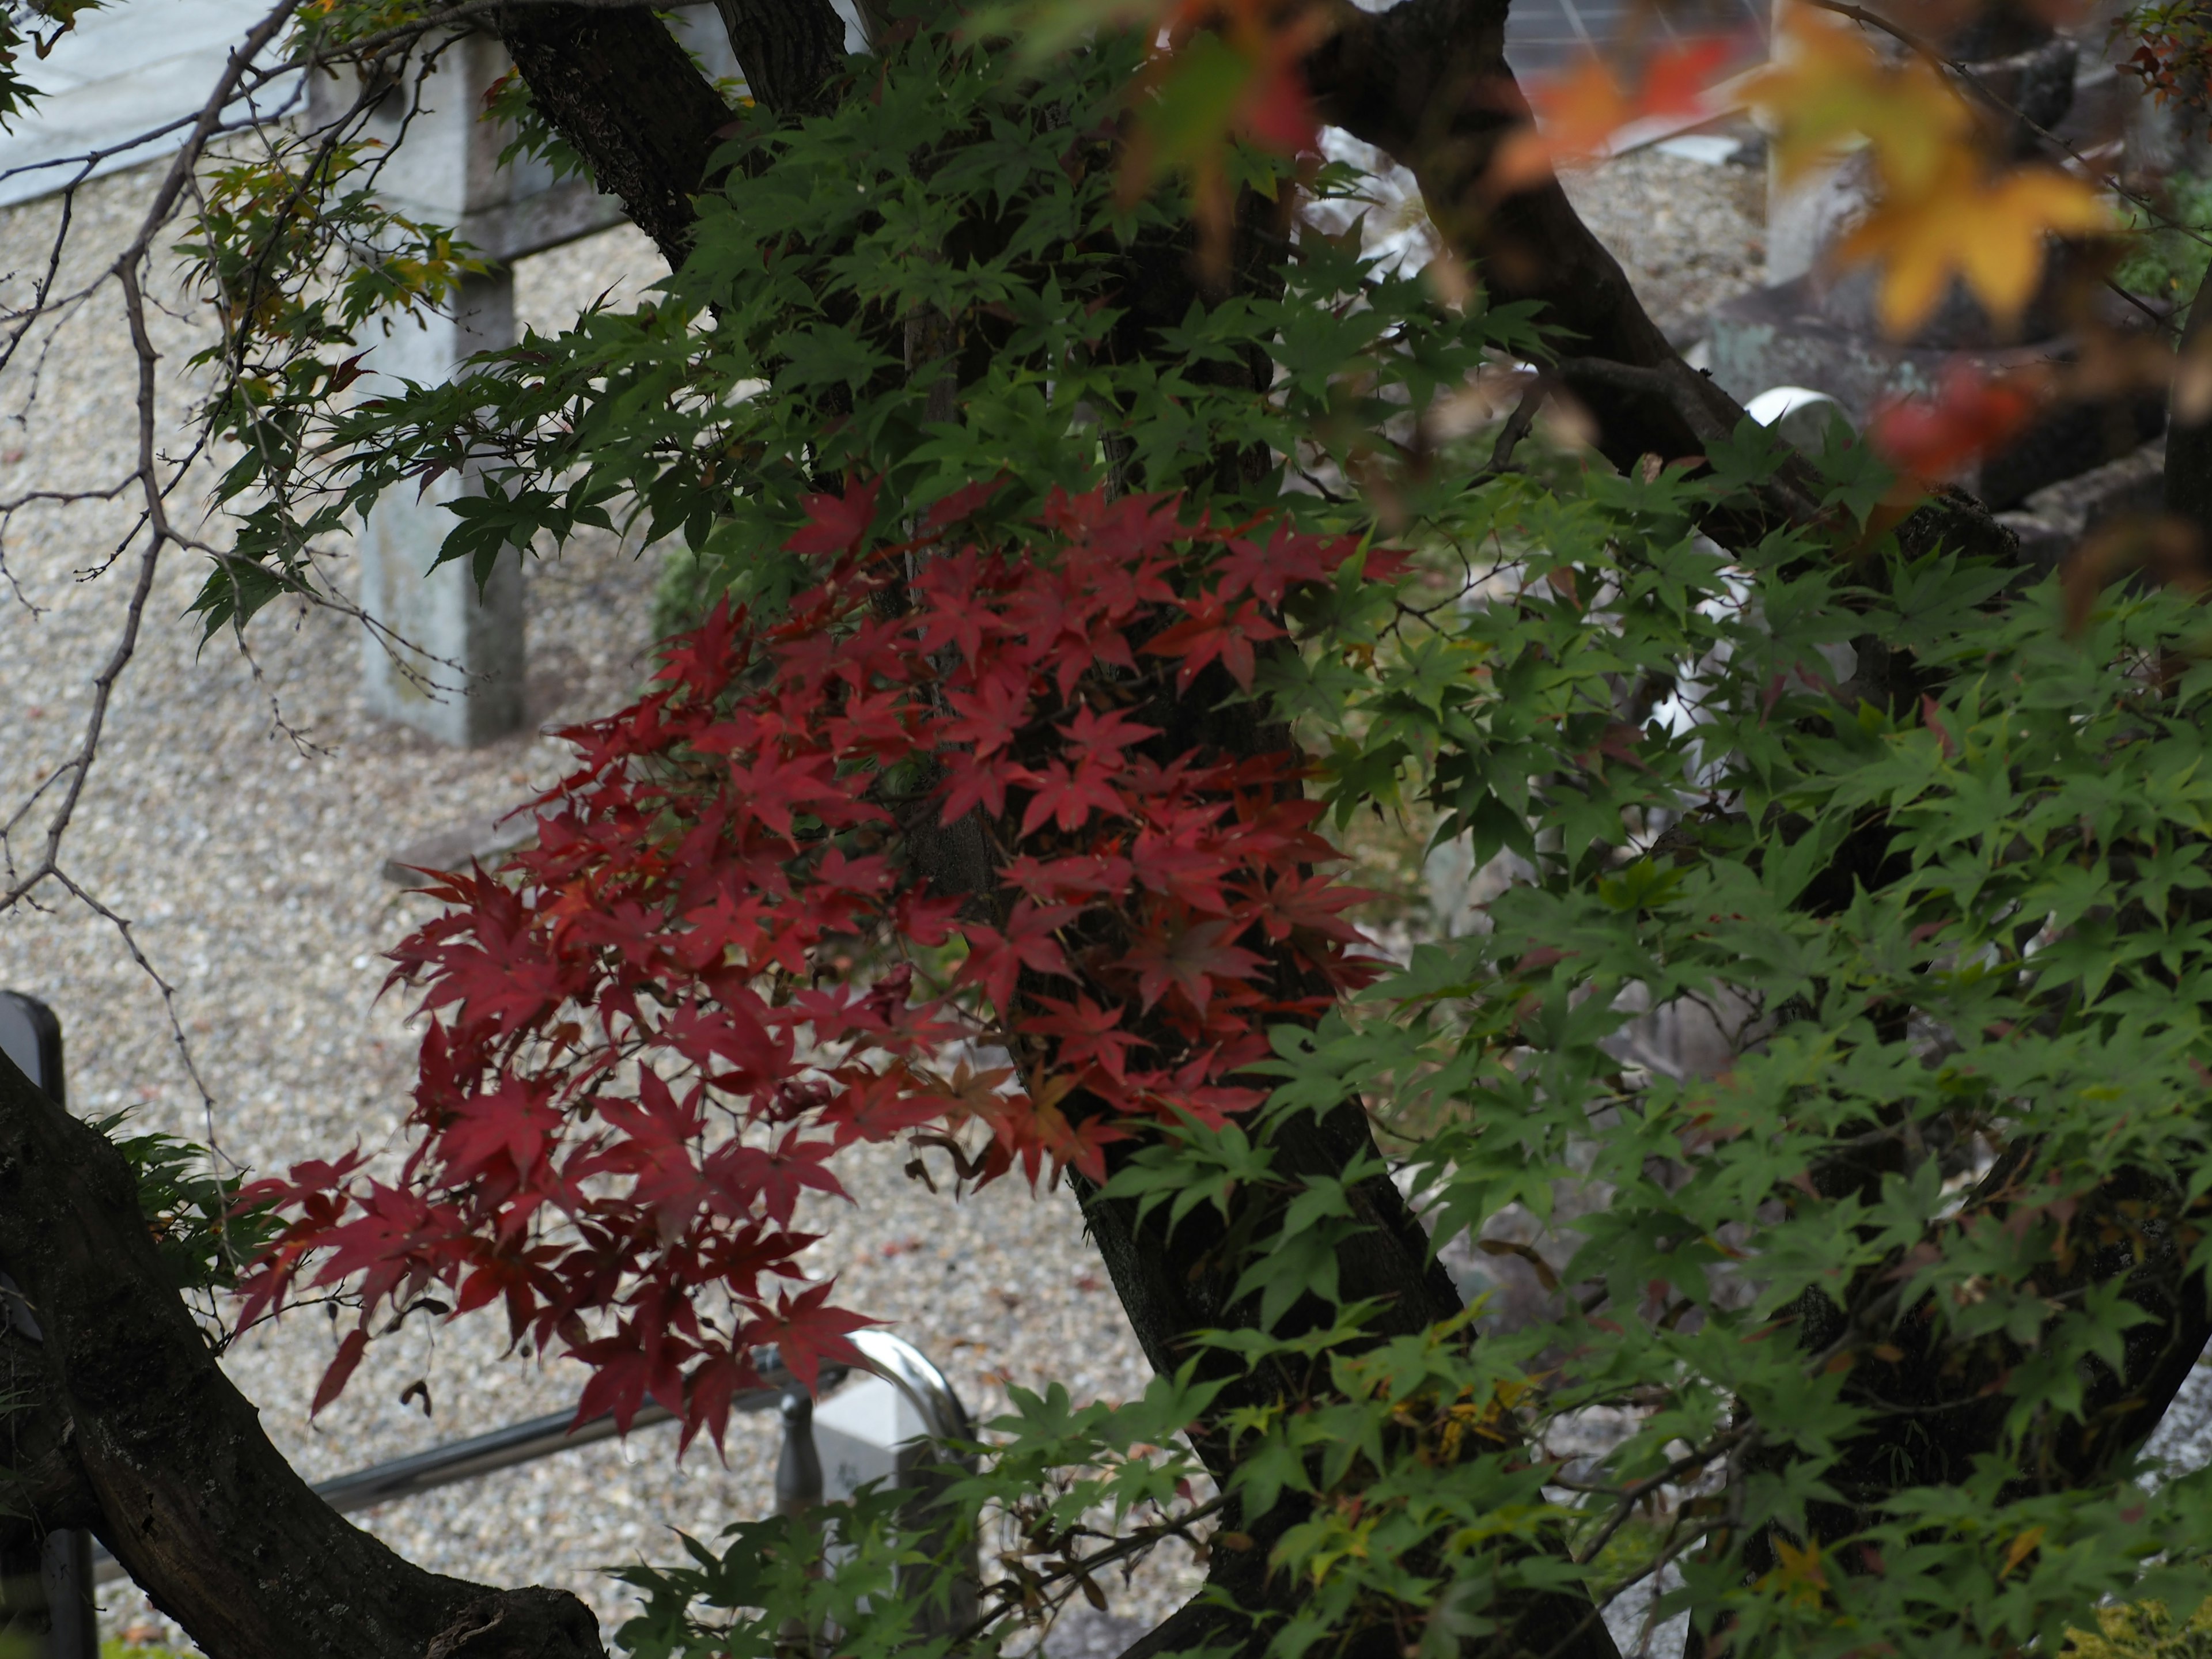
(656, 1148)
(1310, 903)
(1267, 569)
(340, 1371)
(1086, 1034)
(971, 782)
(1213, 628)
(988, 718)
(514, 1121)
(1068, 799)
(962, 503)
(1078, 875)
(806, 1331)
(1093, 736)
(1969, 418)
(835, 524)
(1189, 957)
(1174, 862)
(995, 959)
(743, 1180)
(643, 1358)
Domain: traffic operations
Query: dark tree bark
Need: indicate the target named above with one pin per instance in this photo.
(1427, 82)
(792, 51)
(2189, 443)
(614, 84)
(168, 1460)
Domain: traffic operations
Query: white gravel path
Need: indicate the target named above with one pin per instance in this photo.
(251, 870)
(1689, 234)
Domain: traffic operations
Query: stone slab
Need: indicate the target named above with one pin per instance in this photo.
(481, 841)
(122, 72)
(1775, 336)
(2051, 522)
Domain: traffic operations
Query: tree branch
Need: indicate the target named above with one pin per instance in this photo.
(1427, 83)
(206, 1514)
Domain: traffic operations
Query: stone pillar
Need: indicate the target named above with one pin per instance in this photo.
(463, 681)
(454, 670)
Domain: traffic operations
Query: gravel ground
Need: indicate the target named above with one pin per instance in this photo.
(1689, 234)
(250, 865)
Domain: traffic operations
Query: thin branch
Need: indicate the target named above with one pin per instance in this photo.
(1517, 426)
(1922, 47)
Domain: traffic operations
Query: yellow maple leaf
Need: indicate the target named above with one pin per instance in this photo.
(2020, 1549)
(1988, 228)
(1799, 1575)
(1830, 92)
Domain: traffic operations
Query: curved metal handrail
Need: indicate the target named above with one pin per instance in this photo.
(893, 1358)
(907, 1369)
(487, 1453)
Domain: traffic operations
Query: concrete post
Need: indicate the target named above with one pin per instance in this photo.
(455, 670)
(463, 681)
(889, 1427)
(459, 676)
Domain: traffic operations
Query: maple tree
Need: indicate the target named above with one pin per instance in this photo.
(1077, 544)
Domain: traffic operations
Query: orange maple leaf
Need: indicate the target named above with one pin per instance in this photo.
(1989, 230)
(1579, 113)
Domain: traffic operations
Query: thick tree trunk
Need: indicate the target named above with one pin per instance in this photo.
(206, 1514)
(613, 82)
(792, 52)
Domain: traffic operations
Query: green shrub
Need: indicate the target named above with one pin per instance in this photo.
(2168, 262)
(2144, 1630)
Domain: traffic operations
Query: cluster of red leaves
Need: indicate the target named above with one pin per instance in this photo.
(1972, 416)
(652, 1032)
(2172, 56)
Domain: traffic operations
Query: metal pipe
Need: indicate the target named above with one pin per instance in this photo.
(907, 1369)
(898, 1361)
(486, 1453)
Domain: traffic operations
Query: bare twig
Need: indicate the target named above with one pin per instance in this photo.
(1926, 49)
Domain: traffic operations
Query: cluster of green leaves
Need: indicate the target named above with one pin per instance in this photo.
(2145, 1631)
(204, 1237)
(1063, 1493)
(927, 288)
(1950, 956)
(509, 103)
(2169, 260)
(299, 258)
(34, 25)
